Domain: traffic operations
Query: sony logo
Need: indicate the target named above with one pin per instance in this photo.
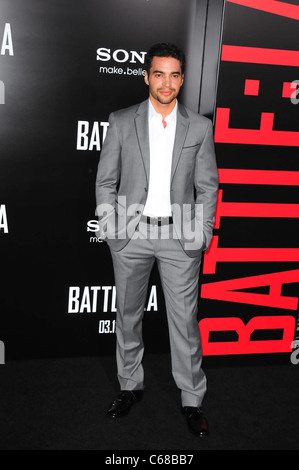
(120, 55)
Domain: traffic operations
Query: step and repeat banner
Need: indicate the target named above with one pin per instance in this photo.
(64, 66)
(251, 275)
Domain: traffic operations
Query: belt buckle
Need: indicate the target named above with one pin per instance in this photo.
(158, 221)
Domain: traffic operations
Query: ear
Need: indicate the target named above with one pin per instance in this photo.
(146, 77)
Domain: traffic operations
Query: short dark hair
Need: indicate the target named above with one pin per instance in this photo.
(164, 49)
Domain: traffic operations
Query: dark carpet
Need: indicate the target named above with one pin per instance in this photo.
(59, 404)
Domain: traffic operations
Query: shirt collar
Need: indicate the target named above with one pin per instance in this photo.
(153, 113)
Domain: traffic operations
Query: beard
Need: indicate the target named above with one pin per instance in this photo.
(165, 99)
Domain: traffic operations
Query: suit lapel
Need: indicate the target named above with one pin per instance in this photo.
(141, 125)
(180, 136)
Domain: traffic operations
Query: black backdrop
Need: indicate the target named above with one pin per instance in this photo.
(64, 66)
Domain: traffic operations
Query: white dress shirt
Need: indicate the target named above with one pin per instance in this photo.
(161, 147)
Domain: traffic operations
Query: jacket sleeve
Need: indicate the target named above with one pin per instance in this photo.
(108, 175)
(206, 184)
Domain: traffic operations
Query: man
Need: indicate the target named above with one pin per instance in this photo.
(156, 193)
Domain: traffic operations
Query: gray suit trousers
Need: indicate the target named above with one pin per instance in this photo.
(179, 275)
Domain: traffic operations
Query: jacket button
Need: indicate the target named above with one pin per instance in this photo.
(145, 189)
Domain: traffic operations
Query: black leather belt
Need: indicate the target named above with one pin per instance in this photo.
(157, 221)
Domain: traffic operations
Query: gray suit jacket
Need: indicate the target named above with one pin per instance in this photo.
(123, 178)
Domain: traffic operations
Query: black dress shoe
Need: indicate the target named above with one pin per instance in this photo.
(123, 402)
(196, 420)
